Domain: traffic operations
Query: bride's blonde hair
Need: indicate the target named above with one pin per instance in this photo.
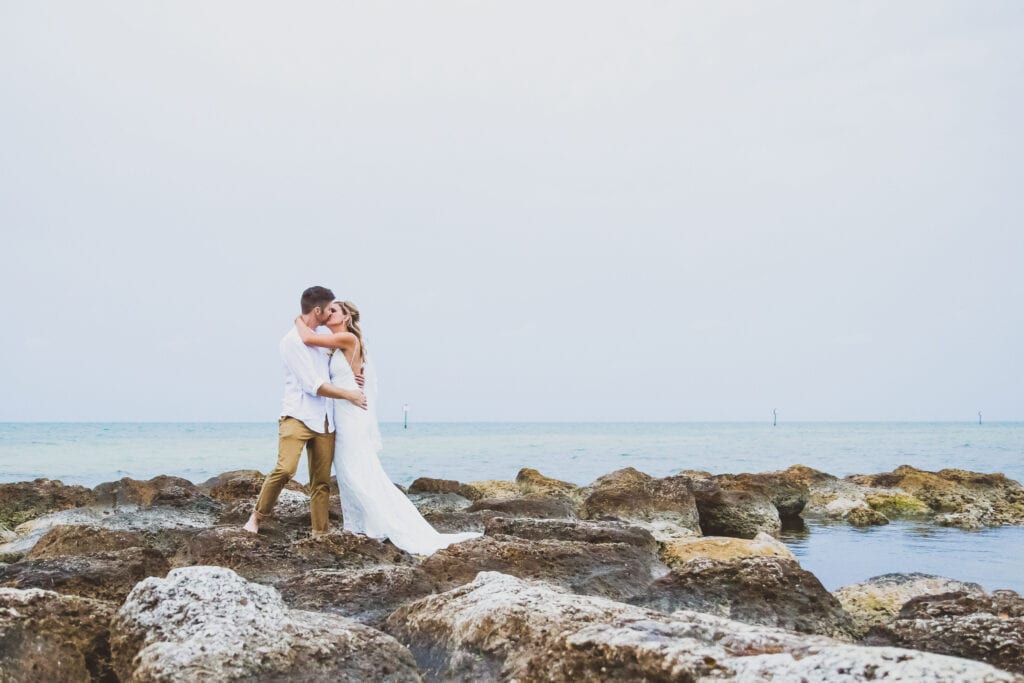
(349, 309)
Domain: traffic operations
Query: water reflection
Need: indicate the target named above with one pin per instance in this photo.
(840, 554)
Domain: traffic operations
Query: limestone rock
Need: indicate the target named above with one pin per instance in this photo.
(492, 488)
(866, 516)
(162, 490)
(367, 595)
(73, 540)
(208, 623)
(449, 522)
(989, 628)
(502, 628)
(533, 482)
(877, 601)
(975, 497)
(723, 548)
(632, 496)
(615, 570)
(428, 485)
(27, 500)
(773, 591)
(241, 485)
(167, 524)
(46, 636)
(537, 508)
(572, 530)
(734, 507)
(428, 503)
(108, 575)
(259, 559)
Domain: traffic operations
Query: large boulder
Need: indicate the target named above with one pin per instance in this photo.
(572, 530)
(46, 636)
(258, 558)
(428, 485)
(241, 485)
(734, 507)
(162, 490)
(877, 601)
(774, 591)
(533, 482)
(25, 500)
(537, 508)
(616, 570)
(662, 505)
(107, 575)
(722, 548)
(368, 595)
(502, 628)
(988, 628)
(74, 539)
(208, 623)
(968, 499)
(168, 525)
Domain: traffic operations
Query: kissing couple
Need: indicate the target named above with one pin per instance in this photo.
(327, 411)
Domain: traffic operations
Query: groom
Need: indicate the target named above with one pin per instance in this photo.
(307, 418)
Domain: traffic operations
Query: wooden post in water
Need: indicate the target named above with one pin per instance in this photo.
(979, 417)
(775, 417)
(405, 414)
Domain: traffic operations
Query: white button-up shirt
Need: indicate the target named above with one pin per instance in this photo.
(305, 369)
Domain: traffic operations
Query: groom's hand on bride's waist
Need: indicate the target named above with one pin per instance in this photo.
(356, 396)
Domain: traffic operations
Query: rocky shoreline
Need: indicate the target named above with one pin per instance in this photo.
(634, 577)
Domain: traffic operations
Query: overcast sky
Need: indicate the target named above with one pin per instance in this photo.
(546, 210)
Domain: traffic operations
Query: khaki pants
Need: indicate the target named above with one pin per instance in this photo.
(293, 434)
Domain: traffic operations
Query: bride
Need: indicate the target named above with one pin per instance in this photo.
(371, 504)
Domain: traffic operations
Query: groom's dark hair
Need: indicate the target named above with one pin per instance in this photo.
(316, 296)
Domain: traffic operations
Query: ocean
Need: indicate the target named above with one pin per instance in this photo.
(91, 453)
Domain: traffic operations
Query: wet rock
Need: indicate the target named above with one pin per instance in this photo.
(162, 490)
(787, 491)
(241, 485)
(987, 628)
(368, 595)
(975, 497)
(574, 530)
(208, 623)
(865, 516)
(27, 500)
(428, 503)
(257, 558)
(428, 485)
(773, 591)
(722, 548)
(108, 575)
(538, 508)
(502, 628)
(615, 570)
(877, 601)
(492, 488)
(632, 496)
(46, 636)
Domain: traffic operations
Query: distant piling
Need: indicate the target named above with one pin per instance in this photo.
(979, 417)
(405, 416)
(775, 417)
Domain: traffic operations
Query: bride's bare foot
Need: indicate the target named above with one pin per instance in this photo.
(253, 525)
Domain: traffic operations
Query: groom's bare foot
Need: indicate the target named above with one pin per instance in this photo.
(253, 525)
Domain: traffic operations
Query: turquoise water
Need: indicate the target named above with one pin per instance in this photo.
(90, 453)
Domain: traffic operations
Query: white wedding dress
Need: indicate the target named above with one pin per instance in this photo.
(370, 502)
